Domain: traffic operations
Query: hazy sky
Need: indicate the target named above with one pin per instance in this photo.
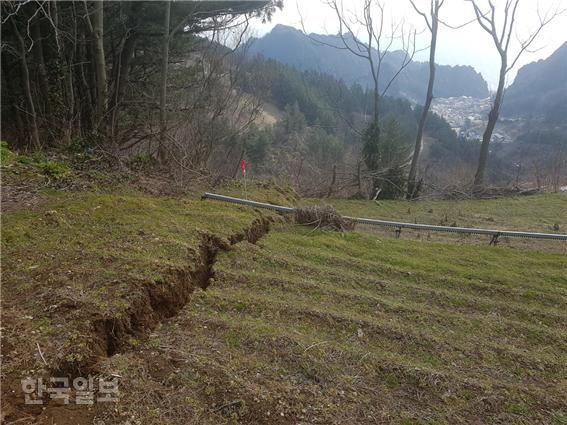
(469, 45)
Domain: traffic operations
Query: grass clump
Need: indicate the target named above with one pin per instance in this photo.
(32, 170)
(54, 169)
(6, 155)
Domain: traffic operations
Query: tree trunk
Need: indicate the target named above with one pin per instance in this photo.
(333, 180)
(123, 69)
(492, 119)
(124, 59)
(376, 117)
(359, 176)
(376, 103)
(86, 100)
(100, 63)
(411, 190)
(40, 62)
(69, 89)
(55, 13)
(163, 92)
(65, 70)
(27, 87)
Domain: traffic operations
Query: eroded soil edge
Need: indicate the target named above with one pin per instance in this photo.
(161, 300)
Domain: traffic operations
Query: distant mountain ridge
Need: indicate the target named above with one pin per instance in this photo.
(539, 90)
(290, 46)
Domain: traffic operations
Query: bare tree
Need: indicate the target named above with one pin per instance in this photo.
(432, 22)
(40, 61)
(96, 29)
(26, 85)
(501, 33)
(376, 44)
(211, 112)
(163, 88)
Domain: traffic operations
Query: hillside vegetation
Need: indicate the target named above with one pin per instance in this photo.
(311, 327)
(539, 90)
(207, 318)
(130, 298)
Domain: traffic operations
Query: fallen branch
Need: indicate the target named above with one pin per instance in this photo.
(40, 353)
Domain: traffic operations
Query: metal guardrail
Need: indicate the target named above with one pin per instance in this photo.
(451, 229)
(254, 204)
(400, 225)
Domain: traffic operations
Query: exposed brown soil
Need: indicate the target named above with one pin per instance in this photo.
(163, 300)
(19, 197)
(151, 304)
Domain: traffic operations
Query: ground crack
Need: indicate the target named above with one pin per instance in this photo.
(163, 299)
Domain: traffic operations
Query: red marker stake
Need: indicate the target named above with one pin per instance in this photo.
(243, 168)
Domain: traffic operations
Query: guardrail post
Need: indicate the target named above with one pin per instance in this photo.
(494, 241)
(398, 232)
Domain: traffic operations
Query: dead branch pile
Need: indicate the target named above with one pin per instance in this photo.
(501, 192)
(323, 217)
(456, 192)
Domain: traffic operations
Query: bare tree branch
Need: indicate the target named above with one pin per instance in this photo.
(501, 38)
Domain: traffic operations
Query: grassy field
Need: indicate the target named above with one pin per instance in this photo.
(311, 327)
(84, 272)
(295, 326)
(537, 213)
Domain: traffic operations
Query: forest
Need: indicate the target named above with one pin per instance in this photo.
(173, 86)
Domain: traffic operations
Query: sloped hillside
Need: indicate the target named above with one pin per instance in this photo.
(210, 313)
(288, 45)
(539, 90)
(312, 327)
(205, 313)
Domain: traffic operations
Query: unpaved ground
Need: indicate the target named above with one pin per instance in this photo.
(111, 336)
(85, 275)
(19, 197)
(309, 327)
(204, 319)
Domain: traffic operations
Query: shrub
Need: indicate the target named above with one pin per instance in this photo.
(139, 162)
(385, 154)
(6, 155)
(55, 169)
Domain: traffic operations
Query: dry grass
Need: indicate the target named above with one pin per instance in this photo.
(322, 217)
(302, 327)
(312, 327)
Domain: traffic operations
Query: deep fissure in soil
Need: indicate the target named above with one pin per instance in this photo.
(164, 299)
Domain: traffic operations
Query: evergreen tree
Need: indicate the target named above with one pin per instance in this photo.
(294, 119)
(385, 152)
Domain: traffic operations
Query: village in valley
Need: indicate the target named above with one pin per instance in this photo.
(468, 115)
